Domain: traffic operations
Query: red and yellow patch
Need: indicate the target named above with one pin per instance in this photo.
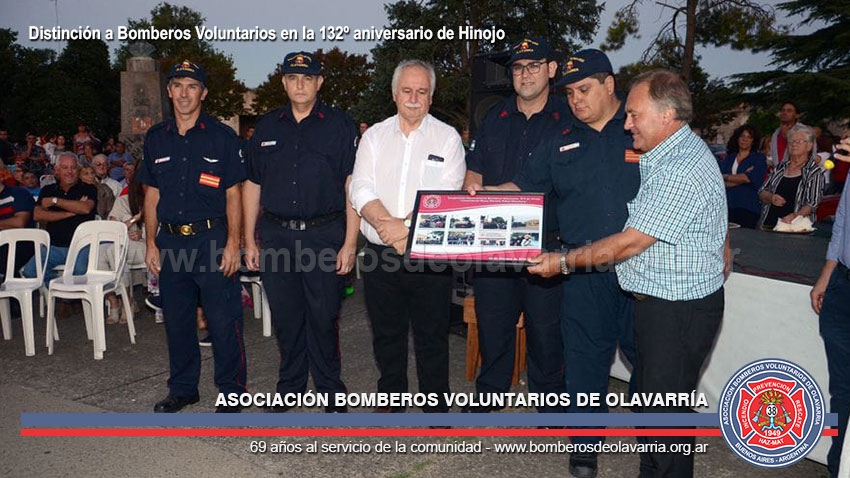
(632, 156)
(209, 180)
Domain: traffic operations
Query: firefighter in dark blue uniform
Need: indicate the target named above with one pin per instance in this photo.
(593, 171)
(509, 133)
(193, 172)
(300, 161)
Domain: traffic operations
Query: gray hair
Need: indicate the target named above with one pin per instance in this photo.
(66, 154)
(668, 91)
(94, 158)
(809, 134)
(410, 64)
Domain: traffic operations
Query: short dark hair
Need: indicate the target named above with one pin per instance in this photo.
(789, 102)
(669, 90)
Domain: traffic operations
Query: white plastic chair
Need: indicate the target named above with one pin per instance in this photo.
(261, 302)
(22, 288)
(93, 286)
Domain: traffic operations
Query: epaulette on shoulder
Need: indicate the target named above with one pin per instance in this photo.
(157, 126)
(223, 127)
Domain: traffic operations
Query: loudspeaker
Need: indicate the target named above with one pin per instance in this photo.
(490, 84)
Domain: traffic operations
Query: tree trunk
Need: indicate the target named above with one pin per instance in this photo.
(690, 34)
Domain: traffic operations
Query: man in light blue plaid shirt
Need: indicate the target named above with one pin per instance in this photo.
(673, 253)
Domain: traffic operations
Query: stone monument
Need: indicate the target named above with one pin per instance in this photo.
(141, 97)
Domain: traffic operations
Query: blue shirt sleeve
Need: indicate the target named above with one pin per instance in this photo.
(23, 200)
(145, 173)
(235, 171)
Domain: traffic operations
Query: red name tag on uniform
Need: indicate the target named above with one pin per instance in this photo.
(210, 180)
(632, 156)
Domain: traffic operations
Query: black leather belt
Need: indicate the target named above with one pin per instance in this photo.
(193, 228)
(302, 224)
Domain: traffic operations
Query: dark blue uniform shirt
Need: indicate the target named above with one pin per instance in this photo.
(507, 138)
(593, 174)
(192, 172)
(301, 167)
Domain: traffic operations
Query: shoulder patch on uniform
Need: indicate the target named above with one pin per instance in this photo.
(568, 147)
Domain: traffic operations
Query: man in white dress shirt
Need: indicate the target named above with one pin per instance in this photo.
(396, 157)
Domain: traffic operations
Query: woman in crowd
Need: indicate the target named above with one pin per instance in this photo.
(88, 153)
(795, 187)
(82, 138)
(743, 173)
(127, 209)
(87, 175)
(60, 148)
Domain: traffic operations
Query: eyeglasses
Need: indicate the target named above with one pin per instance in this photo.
(532, 68)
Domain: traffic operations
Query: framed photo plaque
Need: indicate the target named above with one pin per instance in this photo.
(490, 227)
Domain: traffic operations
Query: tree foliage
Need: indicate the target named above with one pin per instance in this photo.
(714, 101)
(575, 22)
(225, 91)
(47, 94)
(346, 78)
(740, 24)
(811, 69)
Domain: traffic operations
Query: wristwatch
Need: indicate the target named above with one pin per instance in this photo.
(55, 200)
(407, 223)
(564, 269)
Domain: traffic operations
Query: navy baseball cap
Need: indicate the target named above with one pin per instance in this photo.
(582, 64)
(187, 69)
(530, 48)
(301, 62)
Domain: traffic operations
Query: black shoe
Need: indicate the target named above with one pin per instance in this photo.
(154, 302)
(336, 409)
(277, 408)
(172, 404)
(228, 409)
(583, 465)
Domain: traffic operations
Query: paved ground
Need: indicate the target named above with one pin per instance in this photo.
(131, 378)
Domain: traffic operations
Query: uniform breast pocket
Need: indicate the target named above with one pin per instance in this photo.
(492, 167)
(163, 168)
(262, 156)
(567, 176)
(432, 174)
(211, 177)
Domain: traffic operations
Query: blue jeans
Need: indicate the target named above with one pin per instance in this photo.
(835, 330)
(58, 256)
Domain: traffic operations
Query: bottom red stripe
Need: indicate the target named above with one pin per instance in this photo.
(369, 432)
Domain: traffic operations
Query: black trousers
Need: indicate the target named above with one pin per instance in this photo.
(305, 296)
(189, 277)
(673, 339)
(399, 298)
(499, 299)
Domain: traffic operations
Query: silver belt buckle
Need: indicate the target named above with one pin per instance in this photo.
(297, 225)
